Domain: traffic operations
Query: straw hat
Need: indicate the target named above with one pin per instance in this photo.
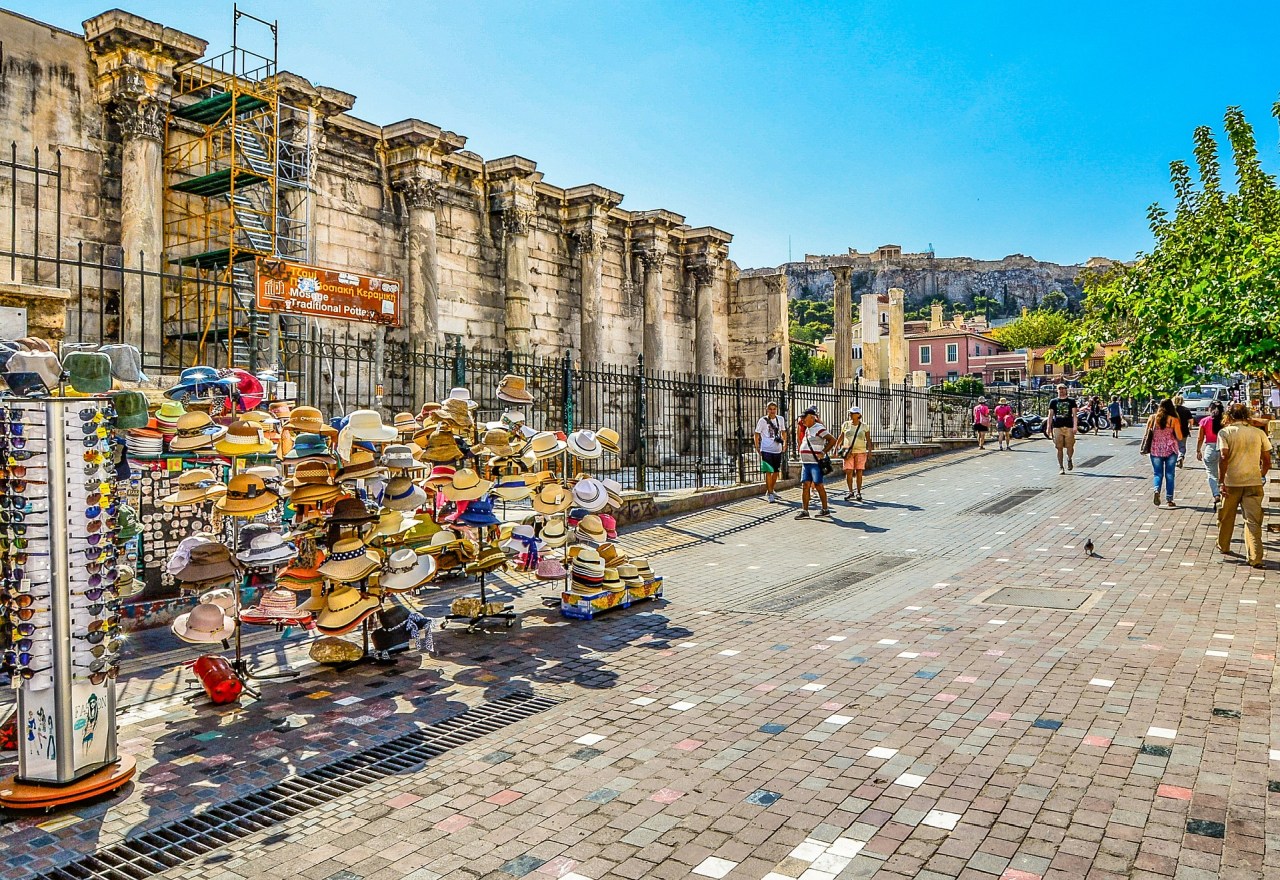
(194, 486)
(512, 488)
(643, 569)
(402, 494)
(439, 446)
(168, 414)
(514, 389)
(311, 472)
(308, 446)
(392, 523)
(491, 558)
(366, 424)
(278, 604)
(497, 441)
(590, 529)
(267, 549)
(466, 486)
(350, 560)
(441, 475)
(314, 493)
(612, 581)
(460, 394)
(406, 569)
(195, 430)
(308, 420)
(351, 511)
(630, 575)
(362, 465)
(613, 489)
(590, 494)
(609, 439)
(247, 496)
(583, 444)
(611, 554)
(405, 423)
(204, 624)
(544, 444)
(345, 609)
(555, 533)
(243, 438)
(551, 499)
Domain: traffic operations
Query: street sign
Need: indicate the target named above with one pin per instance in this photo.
(297, 289)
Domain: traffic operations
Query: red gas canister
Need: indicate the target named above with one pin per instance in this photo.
(218, 678)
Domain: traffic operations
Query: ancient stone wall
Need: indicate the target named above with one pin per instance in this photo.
(758, 339)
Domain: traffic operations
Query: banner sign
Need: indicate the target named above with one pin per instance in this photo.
(327, 293)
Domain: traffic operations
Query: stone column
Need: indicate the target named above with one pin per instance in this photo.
(844, 326)
(898, 360)
(589, 242)
(873, 369)
(515, 277)
(704, 348)
(422, 261)
(652, 258)
(141, 123)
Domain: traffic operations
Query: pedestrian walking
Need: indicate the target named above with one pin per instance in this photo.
(1062, 422)
(1244, 457)
(1004, 424)
(1184, 420)
(982, 421)
(1207, 447)
(771, 444)
(1161, 443)
(854, 447)
(1117, 419)
(814, 442)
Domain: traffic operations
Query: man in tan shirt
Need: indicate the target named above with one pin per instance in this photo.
(1244, 459)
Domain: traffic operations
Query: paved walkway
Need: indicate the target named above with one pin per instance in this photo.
(883, 695)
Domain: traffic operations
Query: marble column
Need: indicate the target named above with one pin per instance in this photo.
(898, 365)
(873, 347)
(652, 258)
(515, 277)
(422, 260)
(704, 327)
(589, 242)
(141, 123)
(843, 326)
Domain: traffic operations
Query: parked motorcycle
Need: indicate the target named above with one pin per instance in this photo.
(1025, 426)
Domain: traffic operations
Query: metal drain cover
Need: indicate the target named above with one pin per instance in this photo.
(1039, 597)
(1093, 462)
(1005, 503)
(825, 585)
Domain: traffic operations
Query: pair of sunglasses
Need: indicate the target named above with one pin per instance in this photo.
(99, 607)
(27, 673)
(111, 647)
(29, 629)
(100, 664)
(18, 600)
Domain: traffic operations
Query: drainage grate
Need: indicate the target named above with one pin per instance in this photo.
(155, 851)
(1093, 462)
(824, 584)
(1039, 597)
(1005, 503)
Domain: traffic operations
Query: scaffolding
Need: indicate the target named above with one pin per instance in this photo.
(238, 168)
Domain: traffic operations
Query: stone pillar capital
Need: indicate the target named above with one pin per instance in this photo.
(842, 273)
(517, 219)
(652, 255)
(588, 238)
(703, 272)
(139, 118)
(419, 192)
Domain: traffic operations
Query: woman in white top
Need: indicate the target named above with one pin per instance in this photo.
(855, 448)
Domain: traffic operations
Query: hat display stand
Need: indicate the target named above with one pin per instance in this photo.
(68, 751)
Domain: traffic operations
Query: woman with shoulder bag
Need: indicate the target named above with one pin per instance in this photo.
(1161, 443)
(855, 448)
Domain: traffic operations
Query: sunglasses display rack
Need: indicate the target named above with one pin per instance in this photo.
(60, 558)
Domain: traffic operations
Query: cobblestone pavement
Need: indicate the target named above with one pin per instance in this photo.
(883, 695)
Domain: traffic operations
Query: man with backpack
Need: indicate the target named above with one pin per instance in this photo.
(771, 443)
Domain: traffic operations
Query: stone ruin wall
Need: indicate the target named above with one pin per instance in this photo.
(50, 99)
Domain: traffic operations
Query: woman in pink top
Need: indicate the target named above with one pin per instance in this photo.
(1166, 432)
(1207, 448)
(1004, 423)
(982, 421)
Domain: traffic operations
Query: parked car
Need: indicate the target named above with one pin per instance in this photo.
(1198, 397)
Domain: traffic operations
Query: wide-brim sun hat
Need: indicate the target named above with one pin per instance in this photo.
(583, 444)
(552, 498)
(269, 549)
(512, 489)
(277, 604)
(247, 495)
(306, 446)
(314, 493)
(350, 560)
(206, 562)
(403, 494)
(205, 624)
(544, 445)
(467, 486)
(243, 438)
(345, 609)
(406, 569)
(366, 424)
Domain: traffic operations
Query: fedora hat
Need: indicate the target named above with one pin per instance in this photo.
(611, 554)
(466, 486)
(243, 438)
(308, 420)
(205, 624)
(199, 382)
(267, 549)
(613, 581)
(583, 444)
(555, 533)
(223, 597)
(609, 440)
(345, 609)
(246, 496)
(491, 558)
(544, 444)
(89, 372)
(643, 569)
(352, 511)
(206, 562)
(610, 525)
(514, 389)
(400, 456)
(590, 529)
(406, 569)
(195, 430)
(512, 418)
(405, 423)
(308, 445)
(461, 394)
(551, 499)
(193, 487)
(274, 605)
(613, 489)
(402, 494)
(587, 560)
(630, 575)
(314, 493)
(169, 412)
(366, 424)
(362, 465)
(512, 488)
(350, 560)
(590, 494)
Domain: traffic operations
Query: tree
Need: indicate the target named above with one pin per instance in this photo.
(810, 368)
(969, 385)
(1208, 294)
(1055, 300)
(1034, 329)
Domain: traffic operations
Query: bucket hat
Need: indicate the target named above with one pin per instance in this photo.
(479, 513)
(350, 560)
(126, 361)
(195, 430)
(590, 529)
(193, 487)
(308, 446)
(455, 412)
(366, 424)
(199, 382)
(590, 494)
(513, 418)
(552, 498)
(308, 420)
(514, 389)
(405, 423)
(545, 445)
(351, 511)
(243, 438)
(609, 440)
(439, 446)
(583, 444)
(131, 409)
(466, 486)
(402, 494)
(400, 456)
(267, 549)
(551, 569)
(461, 394)
(44, 364)
(345, 609)
(406, 569)
(247, 496)
(88, 372)
(207, 562)
(205, 624)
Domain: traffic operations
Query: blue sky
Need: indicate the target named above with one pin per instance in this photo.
(983, 129)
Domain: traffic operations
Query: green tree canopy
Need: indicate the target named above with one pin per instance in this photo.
(1208, 294)
(1055, 300)
(1034, 329)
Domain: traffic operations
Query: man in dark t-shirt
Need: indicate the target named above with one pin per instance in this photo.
(1184, 420)
(1062, 422)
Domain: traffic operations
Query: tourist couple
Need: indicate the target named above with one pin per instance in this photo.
(852, 445)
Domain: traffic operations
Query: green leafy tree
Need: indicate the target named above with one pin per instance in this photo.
(1034, 329)
(987, 305)
(1054, 300)
(967, 385)
(1208, 293)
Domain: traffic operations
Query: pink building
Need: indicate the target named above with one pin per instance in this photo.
(950, 353)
